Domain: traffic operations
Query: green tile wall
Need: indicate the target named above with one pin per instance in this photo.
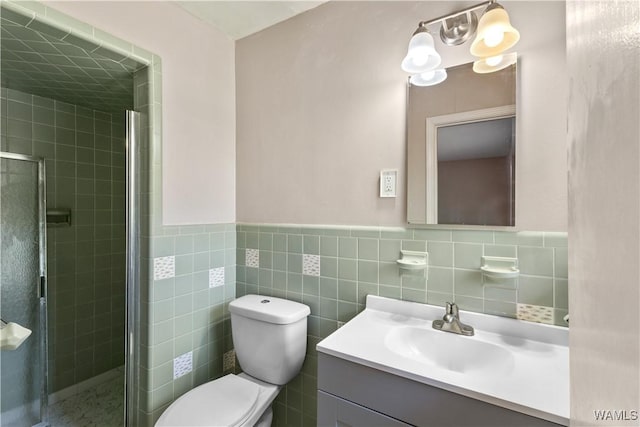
(186, 315)
(179, 314)
(84, 152)
(355, 262)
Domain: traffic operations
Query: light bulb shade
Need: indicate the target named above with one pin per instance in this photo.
(495, 33)
(421, 55)
(494, 63)
(429, 78)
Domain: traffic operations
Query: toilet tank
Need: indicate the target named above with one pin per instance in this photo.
(269, 336)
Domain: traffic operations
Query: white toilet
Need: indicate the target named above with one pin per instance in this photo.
(270, 340)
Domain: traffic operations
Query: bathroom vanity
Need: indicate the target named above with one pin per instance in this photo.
(388, 366)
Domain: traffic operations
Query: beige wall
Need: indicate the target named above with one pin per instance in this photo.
(198, 102)
(474, 191)
(321, 110)
(604, 208)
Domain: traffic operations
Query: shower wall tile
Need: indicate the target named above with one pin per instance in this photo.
(86, 260)
(333, 270)
(93, 149)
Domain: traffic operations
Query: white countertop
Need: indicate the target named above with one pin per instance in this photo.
(533, 379)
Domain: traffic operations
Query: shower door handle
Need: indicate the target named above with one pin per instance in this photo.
(43, 287)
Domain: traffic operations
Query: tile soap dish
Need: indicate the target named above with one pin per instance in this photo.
(413, 260)
(12, 335)
(497, 267)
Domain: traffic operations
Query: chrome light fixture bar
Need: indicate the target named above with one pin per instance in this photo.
(458, 29)
(454, 15)
(495, 34)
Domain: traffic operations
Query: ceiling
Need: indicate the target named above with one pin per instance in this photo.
(46, 61)
(239, 19)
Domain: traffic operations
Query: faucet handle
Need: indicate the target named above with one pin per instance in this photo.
(452, 308)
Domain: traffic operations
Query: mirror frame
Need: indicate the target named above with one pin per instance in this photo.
(432, 125)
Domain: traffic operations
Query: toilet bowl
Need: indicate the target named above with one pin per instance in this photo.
(269, 336)
(233, 401)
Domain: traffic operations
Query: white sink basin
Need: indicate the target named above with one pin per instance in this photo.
(455, 353)
(521, 366)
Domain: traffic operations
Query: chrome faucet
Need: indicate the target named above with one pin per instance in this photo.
(451, 322)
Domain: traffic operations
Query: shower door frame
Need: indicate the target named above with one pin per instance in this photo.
(132, 301)
(42, 285)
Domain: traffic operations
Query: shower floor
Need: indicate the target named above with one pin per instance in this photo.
(99, 406)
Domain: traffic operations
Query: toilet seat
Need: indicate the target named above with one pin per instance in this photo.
(227, 401)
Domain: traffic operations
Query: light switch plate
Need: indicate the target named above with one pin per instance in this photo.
(388, 182)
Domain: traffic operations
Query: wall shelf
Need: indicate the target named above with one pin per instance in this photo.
(413, 260)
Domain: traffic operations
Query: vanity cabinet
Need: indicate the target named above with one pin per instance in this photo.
(355, 395)
(334, 411)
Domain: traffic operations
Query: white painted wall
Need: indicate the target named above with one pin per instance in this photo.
(198, 107)
(321, 110)
(603, 55)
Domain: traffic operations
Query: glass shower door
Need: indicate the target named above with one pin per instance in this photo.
(23, 367)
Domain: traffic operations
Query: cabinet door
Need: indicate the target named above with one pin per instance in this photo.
(336, 412)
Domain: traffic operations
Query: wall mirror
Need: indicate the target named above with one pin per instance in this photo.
(462, 149)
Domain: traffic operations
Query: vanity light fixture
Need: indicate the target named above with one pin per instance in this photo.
(495, 35)
(429, 78)
(421, 55)
(495, 63)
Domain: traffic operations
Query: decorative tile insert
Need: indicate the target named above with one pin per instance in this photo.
(216, 277)
(164, 267)
(229, 361)
(182, 365)
(535, 313)
(311, 265)
(252, 258)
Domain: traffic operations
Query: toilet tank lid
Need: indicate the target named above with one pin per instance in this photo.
(269, 309)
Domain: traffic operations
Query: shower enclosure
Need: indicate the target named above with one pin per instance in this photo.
(69, 201)
(23, 273)
(23, 290)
